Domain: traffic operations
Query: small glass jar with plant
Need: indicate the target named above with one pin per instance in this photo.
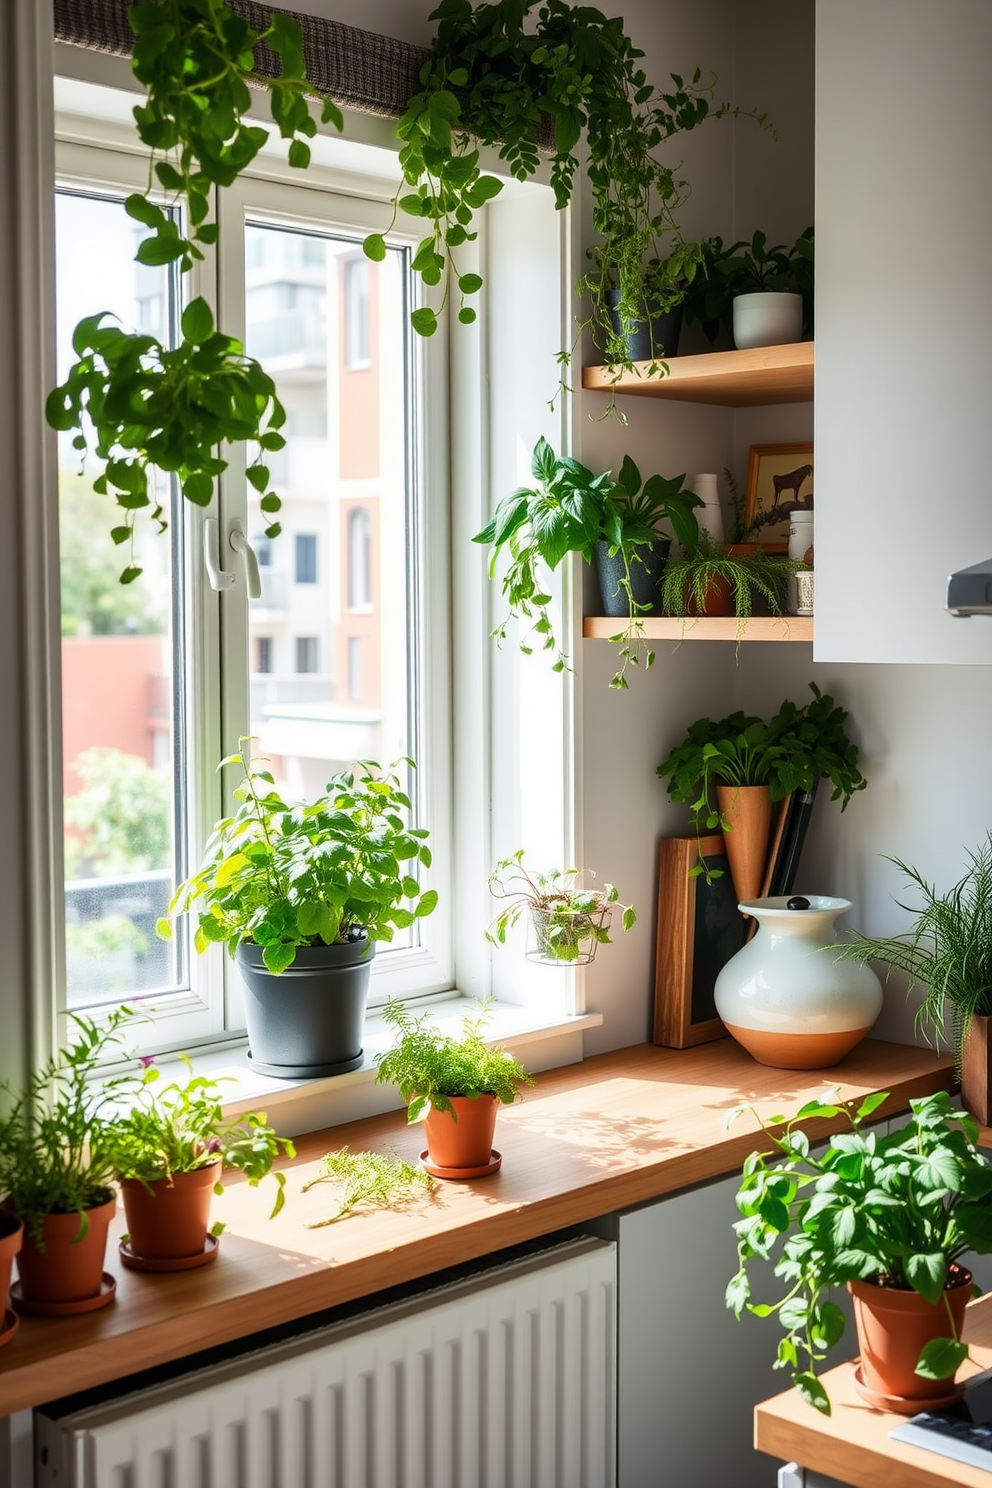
(889, 1216)
(571, 510)
(300, 893)
(454, 1085)
(566, 920)
(169, 1150)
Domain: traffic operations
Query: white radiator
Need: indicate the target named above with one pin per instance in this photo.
(504, 1380)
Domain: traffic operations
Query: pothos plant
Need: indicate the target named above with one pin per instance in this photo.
(139, 405)
(517, 76)
(570, 511)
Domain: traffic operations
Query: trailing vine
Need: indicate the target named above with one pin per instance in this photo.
(490, 81)
(139, 405)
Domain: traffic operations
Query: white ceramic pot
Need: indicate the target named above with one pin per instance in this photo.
(767, 318)
(710, 514)
(791, 1003)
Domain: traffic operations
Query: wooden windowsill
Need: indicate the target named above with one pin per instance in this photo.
(592, 1138)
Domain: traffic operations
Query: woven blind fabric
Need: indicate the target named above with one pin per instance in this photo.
(359, 69)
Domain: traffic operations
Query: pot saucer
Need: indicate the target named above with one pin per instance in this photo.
(103, 1298)
(899, 1404)
(461, 1173)
(8, 1325)
(169, 1263)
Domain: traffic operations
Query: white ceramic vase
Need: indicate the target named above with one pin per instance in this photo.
(710, 514)
(791, 1003)
(769, 317)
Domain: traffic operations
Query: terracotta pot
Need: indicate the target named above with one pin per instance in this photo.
(748, 809)
(11, 1239)
(171, 1220)
(467, 1142)
(895, 1326)
(718, 599)
(67, 1269)
(976, 1066)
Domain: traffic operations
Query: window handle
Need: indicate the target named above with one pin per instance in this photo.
(220, 578)
(241, 545)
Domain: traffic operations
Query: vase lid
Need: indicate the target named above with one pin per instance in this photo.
(778, 906)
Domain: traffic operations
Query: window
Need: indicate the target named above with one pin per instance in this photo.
(356, 313)
(305, 544)
(355, 668)
(195, 657)
(359, 559)
(306, 653)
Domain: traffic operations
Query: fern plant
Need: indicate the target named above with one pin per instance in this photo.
(948, 948)
(428, 1067)
(749, 576)
(367, 1179)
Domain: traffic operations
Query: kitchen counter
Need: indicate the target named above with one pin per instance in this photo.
(590, 1139)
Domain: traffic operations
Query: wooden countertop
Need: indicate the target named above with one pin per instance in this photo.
(614, 1131)
(853, 1443)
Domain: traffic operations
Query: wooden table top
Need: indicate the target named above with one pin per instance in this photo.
(589, 1139)
(853, 1443)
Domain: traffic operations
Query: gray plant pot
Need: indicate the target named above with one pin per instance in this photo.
(647, 569)
(652, 338)
(309, 1020)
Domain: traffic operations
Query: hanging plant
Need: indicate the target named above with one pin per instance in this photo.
(139, 405)
(489, 81)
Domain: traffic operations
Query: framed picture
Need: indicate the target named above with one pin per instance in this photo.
(699, 929)
(779, 479)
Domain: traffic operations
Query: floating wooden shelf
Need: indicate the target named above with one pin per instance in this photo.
(661, 628)
(730, 379)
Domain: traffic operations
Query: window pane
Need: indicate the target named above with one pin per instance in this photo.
(121, 765)
(333, 683)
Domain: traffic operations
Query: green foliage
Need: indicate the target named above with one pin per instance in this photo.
(949, 947)
(688, 579)
(182, 1128)
(898, 1210)
(93, 602)
(496, 73)
(798, 746)
(570, 511)
(315, 873)
(566, 916)
(121, 820)
(145, 408)
(369, 1179)
(55, 1154)
(744, 268)
(428, 1067)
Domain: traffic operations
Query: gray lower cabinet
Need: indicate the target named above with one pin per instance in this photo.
(689, 1374)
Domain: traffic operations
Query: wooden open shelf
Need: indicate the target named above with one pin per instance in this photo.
(730, 379)
(662, 628)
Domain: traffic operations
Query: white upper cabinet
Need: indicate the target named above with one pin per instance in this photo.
(903, 406)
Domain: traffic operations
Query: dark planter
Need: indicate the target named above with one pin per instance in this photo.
(647, 568)
(308, 1020)
(655, 336)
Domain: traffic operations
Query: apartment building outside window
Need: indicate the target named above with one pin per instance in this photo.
(305, 544)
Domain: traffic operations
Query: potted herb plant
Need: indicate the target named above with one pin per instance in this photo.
(169, 1152)
(948, 948)
(567, 921)
(712, 578)
(300, 895)
(56, 1175)
(571, 510)
(748, 764)
(890, 1217)
(455, 1085)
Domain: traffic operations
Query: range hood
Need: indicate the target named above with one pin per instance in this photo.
(969, 591)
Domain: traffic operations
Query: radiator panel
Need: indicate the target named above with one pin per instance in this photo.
(503, 1381)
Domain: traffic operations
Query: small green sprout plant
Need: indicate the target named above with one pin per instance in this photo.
(569, 920)
(429, 1067)
(182, 1128)
(324, 872)
(899, 1210)
(368, 1180)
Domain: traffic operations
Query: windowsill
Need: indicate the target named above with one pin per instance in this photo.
(541, 1040)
